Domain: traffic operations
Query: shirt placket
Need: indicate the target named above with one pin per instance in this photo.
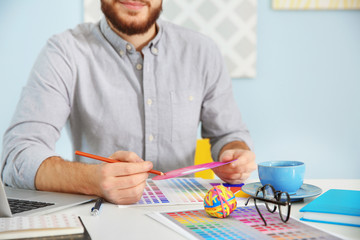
(150, 108)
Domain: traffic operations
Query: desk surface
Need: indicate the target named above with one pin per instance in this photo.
(132, 223)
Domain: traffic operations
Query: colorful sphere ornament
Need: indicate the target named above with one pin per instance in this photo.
(219, 202)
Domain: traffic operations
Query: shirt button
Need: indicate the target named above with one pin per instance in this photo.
(121, 53)
(154, 50)
(191, 98)
(151, 138)
(149, 101)
(138, 66)
(128, 47)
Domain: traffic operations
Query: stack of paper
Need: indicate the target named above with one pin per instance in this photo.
(40, 226)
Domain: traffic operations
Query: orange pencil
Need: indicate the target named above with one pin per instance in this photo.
(109, 160)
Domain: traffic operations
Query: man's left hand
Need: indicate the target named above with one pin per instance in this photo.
(238, 171)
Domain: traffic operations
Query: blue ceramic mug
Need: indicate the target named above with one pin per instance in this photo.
(285, 176)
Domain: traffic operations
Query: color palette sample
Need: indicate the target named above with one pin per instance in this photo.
(190, 170)
(152, 194)
(174, 191)
(243, 223)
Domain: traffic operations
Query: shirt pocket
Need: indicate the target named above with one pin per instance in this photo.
(185, 114)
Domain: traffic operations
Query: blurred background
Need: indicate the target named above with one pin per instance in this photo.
(303, 104)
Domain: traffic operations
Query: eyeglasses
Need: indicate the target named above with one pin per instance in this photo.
(273, 199)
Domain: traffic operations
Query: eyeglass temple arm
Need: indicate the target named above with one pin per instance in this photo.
(270, 201)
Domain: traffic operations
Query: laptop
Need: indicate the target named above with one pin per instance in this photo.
(23, 202)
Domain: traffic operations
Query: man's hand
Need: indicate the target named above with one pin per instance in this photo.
(236, 172)
(123, 182)
(119, 183)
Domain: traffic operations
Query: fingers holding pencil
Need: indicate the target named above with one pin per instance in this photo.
(129, 168)
(123, 181)
(123, 175)
(126, 156)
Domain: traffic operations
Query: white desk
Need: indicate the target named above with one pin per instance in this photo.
(132, 223)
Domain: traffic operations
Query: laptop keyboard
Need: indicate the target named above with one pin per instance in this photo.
(18, 205)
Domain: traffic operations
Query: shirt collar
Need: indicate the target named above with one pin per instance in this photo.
(120, 44)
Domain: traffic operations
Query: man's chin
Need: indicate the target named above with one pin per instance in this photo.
(130, 22)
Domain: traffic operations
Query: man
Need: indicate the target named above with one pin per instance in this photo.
(130, 85)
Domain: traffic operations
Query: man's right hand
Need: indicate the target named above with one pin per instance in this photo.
(119, 183)
(123, 182)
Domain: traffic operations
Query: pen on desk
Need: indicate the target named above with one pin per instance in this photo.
(109, 160)
(96, 209)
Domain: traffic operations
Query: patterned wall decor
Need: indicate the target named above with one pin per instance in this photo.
(230, 23)
(316, 4)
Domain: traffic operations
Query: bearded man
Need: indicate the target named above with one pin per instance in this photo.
(130, 86)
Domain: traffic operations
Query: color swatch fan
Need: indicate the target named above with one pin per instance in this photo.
(191, 169)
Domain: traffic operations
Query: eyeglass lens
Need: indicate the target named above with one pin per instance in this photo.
(284, 210)
(269, 193)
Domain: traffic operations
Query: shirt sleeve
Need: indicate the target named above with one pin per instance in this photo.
(41, 113)
(221, 119)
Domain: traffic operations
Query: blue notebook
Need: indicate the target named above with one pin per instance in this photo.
(335, 206)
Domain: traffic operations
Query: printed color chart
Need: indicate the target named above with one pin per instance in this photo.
(243, 223)
(174, 191)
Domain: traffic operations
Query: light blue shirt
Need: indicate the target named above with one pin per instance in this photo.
(111, 98)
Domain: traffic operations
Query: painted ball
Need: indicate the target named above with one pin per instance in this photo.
(219, 202)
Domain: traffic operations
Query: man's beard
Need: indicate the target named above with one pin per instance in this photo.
(130, 28)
